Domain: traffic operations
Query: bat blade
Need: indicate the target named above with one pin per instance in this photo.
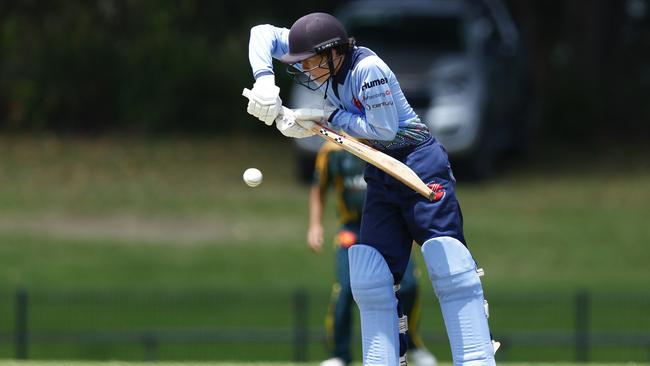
(386, 163)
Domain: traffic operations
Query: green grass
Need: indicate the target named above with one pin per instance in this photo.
(126, 206)
(170, 223)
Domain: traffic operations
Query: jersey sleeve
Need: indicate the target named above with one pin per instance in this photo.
(380, 121)
(266, 42)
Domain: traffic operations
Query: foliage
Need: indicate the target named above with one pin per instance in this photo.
(139, 66)
(179, 65)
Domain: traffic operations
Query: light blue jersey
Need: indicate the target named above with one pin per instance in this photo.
(370, 103)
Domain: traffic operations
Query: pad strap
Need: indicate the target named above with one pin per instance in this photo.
(403, 324)
(402, 361)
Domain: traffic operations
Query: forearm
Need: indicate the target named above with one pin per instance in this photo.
(359, 126)
(266, 42)
(316, 197)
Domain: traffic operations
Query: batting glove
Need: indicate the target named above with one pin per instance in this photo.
(314, 114)
(264, 102)
(287, 124)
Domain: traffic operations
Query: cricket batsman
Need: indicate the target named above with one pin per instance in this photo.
(343, 172)
(366, 101)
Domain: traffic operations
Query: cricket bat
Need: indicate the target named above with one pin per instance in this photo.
(388, 164)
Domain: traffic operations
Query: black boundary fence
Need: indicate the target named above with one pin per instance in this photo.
(582, 339)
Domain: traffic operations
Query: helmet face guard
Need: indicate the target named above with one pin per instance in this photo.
(304, 77)
(315, 34)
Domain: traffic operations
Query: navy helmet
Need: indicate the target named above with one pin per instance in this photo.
(313, 34)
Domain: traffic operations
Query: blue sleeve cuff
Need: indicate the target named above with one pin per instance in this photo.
(331, 117)
(262, 73)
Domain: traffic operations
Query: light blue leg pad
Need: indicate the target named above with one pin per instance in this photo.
(452, 271)
(372, 287)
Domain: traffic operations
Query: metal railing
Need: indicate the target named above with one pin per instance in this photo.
(295, 332)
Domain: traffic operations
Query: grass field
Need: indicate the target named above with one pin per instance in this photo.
(184, 201)
(132, 217)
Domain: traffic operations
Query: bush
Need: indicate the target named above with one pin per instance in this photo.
(135, 66)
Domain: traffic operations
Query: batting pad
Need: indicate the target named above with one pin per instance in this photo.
(452, 271)
(372, 287)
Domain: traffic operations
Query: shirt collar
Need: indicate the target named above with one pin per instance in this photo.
(345, 68)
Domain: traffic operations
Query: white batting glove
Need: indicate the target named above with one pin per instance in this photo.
(314, 114)
(286, 123)
(264, 102)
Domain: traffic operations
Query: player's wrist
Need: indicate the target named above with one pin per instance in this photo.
(315, 226)
(266, 80)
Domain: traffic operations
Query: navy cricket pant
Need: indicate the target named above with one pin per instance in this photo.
(394, 215)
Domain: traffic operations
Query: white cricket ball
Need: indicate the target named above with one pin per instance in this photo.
(252, 177)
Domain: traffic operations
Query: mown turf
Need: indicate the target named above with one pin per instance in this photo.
(122, 205)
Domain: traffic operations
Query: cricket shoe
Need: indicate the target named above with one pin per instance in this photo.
(421, 357)
(334, 361)
(495, 345)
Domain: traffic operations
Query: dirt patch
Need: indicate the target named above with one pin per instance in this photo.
(149, 230)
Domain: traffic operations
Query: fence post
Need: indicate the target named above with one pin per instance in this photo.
(150, 344)
(300, 328)
(20, 330)
(582, 326)
(504, 350)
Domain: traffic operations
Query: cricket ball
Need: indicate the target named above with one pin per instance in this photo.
(252, 177)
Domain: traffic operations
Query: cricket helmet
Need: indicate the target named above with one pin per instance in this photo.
(313, 34)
